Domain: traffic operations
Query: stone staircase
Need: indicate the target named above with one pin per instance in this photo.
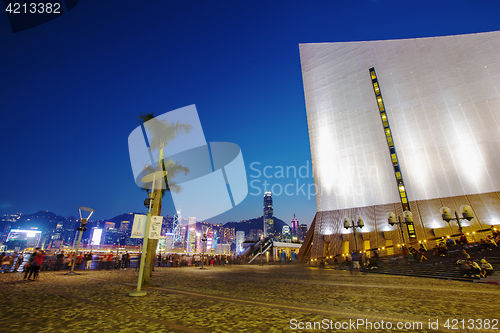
(441, 267)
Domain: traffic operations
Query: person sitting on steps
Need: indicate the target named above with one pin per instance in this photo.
(486, 268)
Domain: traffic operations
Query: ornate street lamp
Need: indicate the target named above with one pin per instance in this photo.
(408, 219)
(81, 229)
(466, 215)
(204, 240)
(360, 225)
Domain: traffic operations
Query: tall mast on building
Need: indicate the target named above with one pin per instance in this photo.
(295, 226)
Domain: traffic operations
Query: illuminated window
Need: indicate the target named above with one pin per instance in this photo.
(392, 151)
(388, 247)
(384, 119)
(346, 247)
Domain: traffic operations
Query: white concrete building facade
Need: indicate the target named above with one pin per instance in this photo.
(441, 97)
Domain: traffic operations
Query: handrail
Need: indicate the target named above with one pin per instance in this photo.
(264, 249)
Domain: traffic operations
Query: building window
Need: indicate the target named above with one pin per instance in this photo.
(346, 248)
(388, 247)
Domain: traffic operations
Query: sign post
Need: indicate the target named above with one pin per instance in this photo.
(146, 231)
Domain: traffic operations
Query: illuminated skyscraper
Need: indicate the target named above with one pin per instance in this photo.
(268, 215)
(286, 232)
(124, 226)
(191, 235)
(169, 241)
(295, 225)
(109, 225)
(301, 232)
(240, 238)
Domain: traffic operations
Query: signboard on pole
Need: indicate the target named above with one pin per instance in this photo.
(155, 228)
(138, 226)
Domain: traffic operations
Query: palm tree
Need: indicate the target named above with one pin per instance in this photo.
(162, 133)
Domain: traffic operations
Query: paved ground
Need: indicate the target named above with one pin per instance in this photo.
(244, 299)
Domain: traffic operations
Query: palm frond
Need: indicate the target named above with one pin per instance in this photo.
(161, 133)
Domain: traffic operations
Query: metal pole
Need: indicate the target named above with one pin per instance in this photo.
(203, 251)
(458, 221)
(76, 253)
(140, 292)
(261, 252)
(401, 228)
(355, 240)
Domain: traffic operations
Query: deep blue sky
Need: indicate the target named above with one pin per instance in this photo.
(71, 89)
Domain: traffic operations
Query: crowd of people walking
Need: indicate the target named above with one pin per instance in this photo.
(36, 261)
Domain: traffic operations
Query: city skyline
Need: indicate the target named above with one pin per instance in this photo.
(49, 230)
(72, 91)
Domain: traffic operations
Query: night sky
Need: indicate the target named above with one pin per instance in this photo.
(71, 90)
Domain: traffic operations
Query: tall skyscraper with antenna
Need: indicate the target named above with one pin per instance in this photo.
(295, 226)
(268, 215)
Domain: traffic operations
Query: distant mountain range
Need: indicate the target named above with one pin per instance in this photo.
(256, 223)
(48, 220)
(41, 220)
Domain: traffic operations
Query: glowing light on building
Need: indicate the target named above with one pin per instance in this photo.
(32, 237)
(96, 236)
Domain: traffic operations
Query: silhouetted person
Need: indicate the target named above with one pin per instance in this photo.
(59, 261)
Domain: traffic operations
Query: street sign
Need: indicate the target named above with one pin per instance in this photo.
(138, 226)
(155, 227)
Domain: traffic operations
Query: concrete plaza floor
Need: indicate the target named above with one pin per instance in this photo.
(245, 299)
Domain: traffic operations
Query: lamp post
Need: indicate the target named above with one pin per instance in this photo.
(360, 225)
(81, 229)
(261, 254)
(204, 240)
(466, 215)
(408, 219)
